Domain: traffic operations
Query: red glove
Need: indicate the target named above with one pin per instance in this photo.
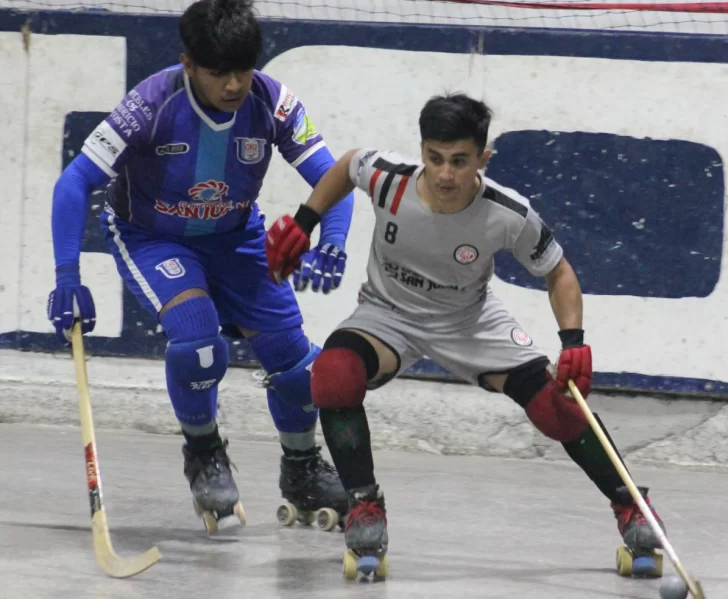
(287, 240)
(575, 362)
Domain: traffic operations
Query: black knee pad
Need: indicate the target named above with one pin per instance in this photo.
(350, 340)
(525, 381)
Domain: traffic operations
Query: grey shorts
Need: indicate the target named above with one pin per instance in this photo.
(491, 342)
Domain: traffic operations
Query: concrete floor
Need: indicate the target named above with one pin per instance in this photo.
(459, 526)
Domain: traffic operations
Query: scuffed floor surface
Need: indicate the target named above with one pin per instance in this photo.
(459, 526)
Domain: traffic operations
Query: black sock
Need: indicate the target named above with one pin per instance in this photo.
(588, 453)
(349, 442)
(202, 443)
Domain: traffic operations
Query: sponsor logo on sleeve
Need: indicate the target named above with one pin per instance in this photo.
(304, 129)
(286, 103)
(544, 243)
(106, 143)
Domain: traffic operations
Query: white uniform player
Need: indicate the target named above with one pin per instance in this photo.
(439, 222)
(427, 291)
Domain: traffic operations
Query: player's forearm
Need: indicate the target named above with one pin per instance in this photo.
(565, 296)
(68, 214)
(333, 187)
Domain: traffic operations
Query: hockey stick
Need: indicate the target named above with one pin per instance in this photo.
(693, 585)
(112, 564)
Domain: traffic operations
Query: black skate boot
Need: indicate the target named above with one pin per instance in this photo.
(366, 534)
(214, 492)
(640, 557)
(312, 492)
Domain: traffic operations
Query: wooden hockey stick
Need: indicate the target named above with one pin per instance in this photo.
(693, 585)
(112, 564)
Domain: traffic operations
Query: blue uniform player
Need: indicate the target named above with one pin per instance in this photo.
(187, 151)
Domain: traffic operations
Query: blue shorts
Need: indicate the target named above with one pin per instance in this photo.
(157, 268)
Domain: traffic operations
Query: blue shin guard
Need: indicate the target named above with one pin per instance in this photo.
(196, 360)
(287, 357)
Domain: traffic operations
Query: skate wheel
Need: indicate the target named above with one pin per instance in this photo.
(287, 514)
(240, 513)
(367, 564)
(350, 570)
(647, 566)
(624, 561)
(327, 519)
(210, 522)
(383, 571)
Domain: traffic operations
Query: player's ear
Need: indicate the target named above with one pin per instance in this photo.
(186, 62)
(487, 153)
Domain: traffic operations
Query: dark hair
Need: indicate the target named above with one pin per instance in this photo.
(454, 117)
(221, 34)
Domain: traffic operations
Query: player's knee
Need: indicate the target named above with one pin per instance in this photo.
(340, 373)
(197, 365)
(196, 356)
(293, 385)
(553, 413)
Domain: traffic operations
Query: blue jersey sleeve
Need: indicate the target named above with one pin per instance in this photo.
(336, 222)
(70, 202)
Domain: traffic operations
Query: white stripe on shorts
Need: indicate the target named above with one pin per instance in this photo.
(138, 277)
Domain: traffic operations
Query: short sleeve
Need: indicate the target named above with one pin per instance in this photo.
(536, 247)
(362, 169)
(296, 135)
(128, 127)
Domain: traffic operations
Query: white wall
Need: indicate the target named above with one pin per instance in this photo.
(667, 100)
(671, 100)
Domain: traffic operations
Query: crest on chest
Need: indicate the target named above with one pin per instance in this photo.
(249, 150)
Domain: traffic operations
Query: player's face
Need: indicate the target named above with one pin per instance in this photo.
(451, 169)
(220, 90)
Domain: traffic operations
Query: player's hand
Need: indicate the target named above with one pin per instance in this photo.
(322, 267)
(285, 242)
(575, 362)
(70, 301)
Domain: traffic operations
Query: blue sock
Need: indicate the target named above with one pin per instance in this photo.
(196, 360)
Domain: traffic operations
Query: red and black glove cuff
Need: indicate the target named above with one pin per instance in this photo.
(307, 218)
(571, 338)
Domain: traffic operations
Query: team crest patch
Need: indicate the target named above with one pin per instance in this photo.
(172, 269)
(466, 254)
(250, 150)
(209, 191)
(520, 337)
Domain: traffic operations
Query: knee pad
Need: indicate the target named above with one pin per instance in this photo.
(197, 365)
(196, 355)
(554, 414)
(340, 373)
(293, 386)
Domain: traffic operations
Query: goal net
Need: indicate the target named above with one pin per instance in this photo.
(676, 16)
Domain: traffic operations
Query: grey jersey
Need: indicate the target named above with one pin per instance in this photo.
(425, 264)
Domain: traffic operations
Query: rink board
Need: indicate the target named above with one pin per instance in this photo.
(639, 213)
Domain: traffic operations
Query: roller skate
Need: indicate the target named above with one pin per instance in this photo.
(312, 492)
(214, 494)
(640, 556)
(366, 535)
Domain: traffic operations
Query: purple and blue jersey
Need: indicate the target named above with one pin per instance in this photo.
(184, 170)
